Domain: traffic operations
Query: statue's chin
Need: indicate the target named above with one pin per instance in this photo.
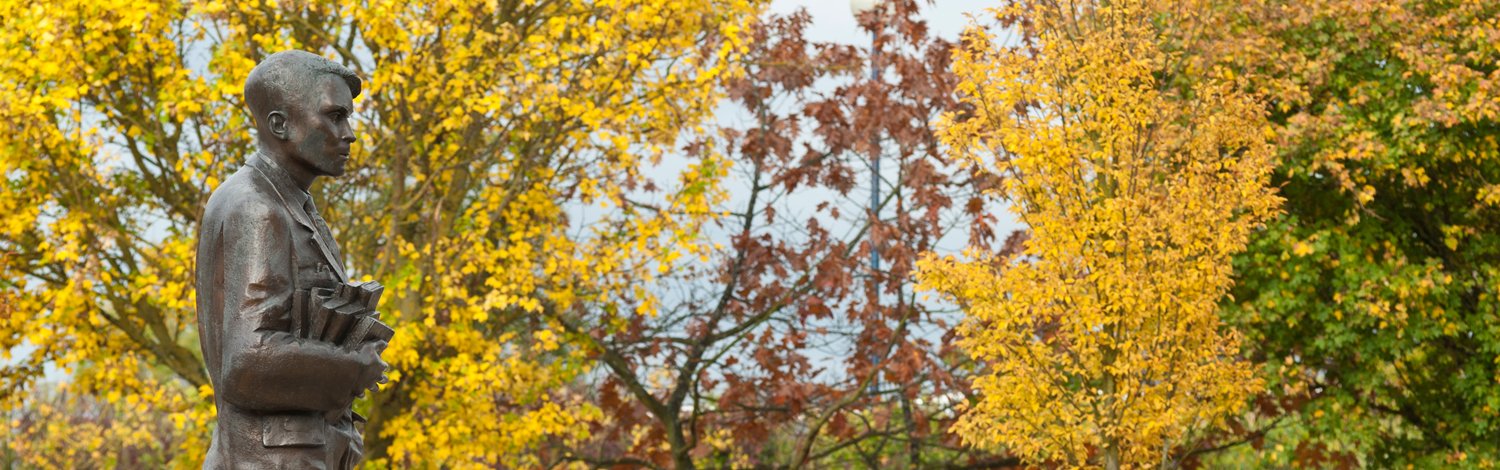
(337, 167)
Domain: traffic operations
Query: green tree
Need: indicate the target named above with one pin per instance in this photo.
(1373, 301)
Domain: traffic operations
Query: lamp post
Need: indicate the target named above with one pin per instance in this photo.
(857, 7)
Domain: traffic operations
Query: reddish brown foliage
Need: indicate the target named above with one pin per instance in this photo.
(789, 350)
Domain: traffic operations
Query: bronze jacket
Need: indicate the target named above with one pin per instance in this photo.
(283, 401)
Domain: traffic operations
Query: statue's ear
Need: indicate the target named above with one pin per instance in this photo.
(276, 121)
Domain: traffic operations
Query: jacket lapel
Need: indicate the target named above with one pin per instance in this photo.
(291, 199)
(325, 243)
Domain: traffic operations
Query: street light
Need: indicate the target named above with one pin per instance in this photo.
(858, 7)
(861, 6)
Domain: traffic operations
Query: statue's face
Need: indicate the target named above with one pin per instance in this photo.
(319, 129)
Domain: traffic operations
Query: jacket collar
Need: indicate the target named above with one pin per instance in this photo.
(293, 198)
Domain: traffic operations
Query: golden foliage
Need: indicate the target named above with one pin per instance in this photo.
(1139, 177)
(484, 127)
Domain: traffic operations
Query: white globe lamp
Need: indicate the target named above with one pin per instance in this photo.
(860, 6)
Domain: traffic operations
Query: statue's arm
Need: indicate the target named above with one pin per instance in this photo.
(265, 366)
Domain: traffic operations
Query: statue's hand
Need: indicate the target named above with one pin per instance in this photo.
(373, 367)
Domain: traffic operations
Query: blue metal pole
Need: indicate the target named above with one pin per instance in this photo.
(874, 201)
(874, 167)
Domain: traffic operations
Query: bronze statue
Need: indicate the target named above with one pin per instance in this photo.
(289, 341)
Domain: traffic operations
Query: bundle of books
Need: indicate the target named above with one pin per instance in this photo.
(344, 315)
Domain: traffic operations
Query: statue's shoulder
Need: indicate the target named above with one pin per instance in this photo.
(244, 196)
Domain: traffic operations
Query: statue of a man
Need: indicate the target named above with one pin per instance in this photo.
(283, 400)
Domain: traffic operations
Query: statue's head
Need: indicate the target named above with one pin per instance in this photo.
(301, 103)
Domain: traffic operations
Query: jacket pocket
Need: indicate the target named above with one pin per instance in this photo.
(294, 430)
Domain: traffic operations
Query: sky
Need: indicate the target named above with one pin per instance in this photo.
(832, 21)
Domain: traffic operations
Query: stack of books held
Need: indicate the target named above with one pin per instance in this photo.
(344, 315)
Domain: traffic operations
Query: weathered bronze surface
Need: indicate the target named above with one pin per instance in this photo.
(264, 256)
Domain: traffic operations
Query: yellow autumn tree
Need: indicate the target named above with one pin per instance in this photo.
(107, 147)
(1138, 177)
(500, 173)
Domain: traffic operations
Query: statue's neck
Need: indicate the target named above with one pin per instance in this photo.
(300, 174)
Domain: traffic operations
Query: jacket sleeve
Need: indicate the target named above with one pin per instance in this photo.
(266, 368)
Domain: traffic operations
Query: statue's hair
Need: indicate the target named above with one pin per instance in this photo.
(282, 78)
